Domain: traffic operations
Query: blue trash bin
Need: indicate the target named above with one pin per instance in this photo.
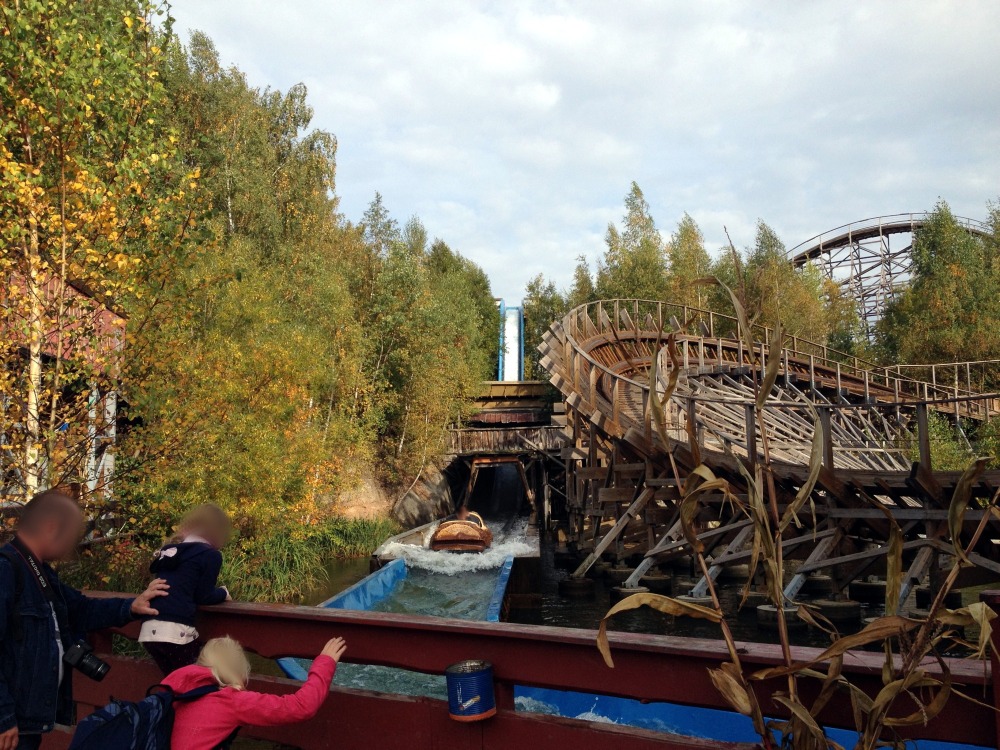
(470, 690)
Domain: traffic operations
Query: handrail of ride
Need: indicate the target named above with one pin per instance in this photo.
(973, 225)
(648, 668)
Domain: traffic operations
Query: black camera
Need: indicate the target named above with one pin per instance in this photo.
(81, 656)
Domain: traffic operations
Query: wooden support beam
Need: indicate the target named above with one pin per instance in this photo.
(665, 546)
(736, 545)
(633, 510)
(820, 552)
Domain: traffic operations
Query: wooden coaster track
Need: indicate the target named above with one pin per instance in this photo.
(624, 462)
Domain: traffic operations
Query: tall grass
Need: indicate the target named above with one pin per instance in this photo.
(284, 563)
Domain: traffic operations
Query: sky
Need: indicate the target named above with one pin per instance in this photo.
(515, 129)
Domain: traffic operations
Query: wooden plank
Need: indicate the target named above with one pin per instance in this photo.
(633, 511)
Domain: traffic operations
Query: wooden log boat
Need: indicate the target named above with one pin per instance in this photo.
(470, 534)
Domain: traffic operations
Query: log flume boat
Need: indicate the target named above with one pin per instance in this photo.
(469, 534)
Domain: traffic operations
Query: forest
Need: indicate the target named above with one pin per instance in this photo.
(275, 355)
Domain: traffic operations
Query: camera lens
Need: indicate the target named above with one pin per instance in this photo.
(94, 667)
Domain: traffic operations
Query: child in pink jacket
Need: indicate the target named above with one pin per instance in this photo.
(204, 723)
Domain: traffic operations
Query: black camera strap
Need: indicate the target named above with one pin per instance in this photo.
(35, 567)
(48, 591)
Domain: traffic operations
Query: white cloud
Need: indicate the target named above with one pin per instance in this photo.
(514, 129)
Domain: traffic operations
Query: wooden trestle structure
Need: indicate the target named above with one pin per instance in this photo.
(624, 473)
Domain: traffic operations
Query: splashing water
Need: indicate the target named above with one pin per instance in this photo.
(508, 542)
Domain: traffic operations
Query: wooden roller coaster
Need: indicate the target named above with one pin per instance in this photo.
(628, 453)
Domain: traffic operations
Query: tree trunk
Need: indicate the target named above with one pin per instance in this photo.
(35, 336)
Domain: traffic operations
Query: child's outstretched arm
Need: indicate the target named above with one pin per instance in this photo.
(266, 710)
(208, 591)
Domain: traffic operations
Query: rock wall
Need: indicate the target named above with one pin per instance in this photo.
(428, 499)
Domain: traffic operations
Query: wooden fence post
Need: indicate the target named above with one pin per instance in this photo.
(751, 428)
(923, 437)
(827, 427)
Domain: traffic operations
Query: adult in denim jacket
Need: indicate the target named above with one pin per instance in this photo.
(35, 685)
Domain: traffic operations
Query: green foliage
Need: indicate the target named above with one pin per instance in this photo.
(689, 261)
(772, 290)
(542, 305)
(949, 451)
(987, 441)
(950, 311)
(638, 263)
(93, 209)
(582, 290)
(635, 260)
(290, 562)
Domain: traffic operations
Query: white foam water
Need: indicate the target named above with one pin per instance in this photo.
(506, 543)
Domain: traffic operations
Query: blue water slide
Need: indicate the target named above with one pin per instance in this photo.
(380, 586)
(362, 596)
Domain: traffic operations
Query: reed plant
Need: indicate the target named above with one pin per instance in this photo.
(911, 694)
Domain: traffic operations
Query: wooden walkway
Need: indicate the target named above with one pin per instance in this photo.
(629, 452)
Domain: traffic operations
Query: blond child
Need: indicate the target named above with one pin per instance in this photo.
(206, 723)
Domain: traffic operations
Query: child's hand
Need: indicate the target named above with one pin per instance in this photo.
(334, 648)
(229, 597)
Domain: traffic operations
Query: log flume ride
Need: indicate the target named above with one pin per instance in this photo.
(630, 452)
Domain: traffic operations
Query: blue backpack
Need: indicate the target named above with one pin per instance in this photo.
(142, 725)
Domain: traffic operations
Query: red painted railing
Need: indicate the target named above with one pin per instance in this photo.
(649, 668)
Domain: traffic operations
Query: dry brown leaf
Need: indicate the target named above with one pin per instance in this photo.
(959, 502)
(657, 403)
(732, 690)
(978, 614)
(830, 682)
(772, 366)
(806, 719)
(805, 491)
(927, 712)
(812, 616)
(660, 603)
(877, 631)
(741, 313)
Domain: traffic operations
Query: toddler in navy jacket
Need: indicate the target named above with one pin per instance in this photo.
(190, 562)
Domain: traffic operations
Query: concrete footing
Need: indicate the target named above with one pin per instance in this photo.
(767, 616)
(658, 583)
(818, 585)
(734, 574)
(618, 575)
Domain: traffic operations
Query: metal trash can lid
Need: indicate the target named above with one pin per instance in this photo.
(469, 666)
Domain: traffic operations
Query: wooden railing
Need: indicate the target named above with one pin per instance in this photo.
(648, 668)
(468, 440)
(633, 317)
